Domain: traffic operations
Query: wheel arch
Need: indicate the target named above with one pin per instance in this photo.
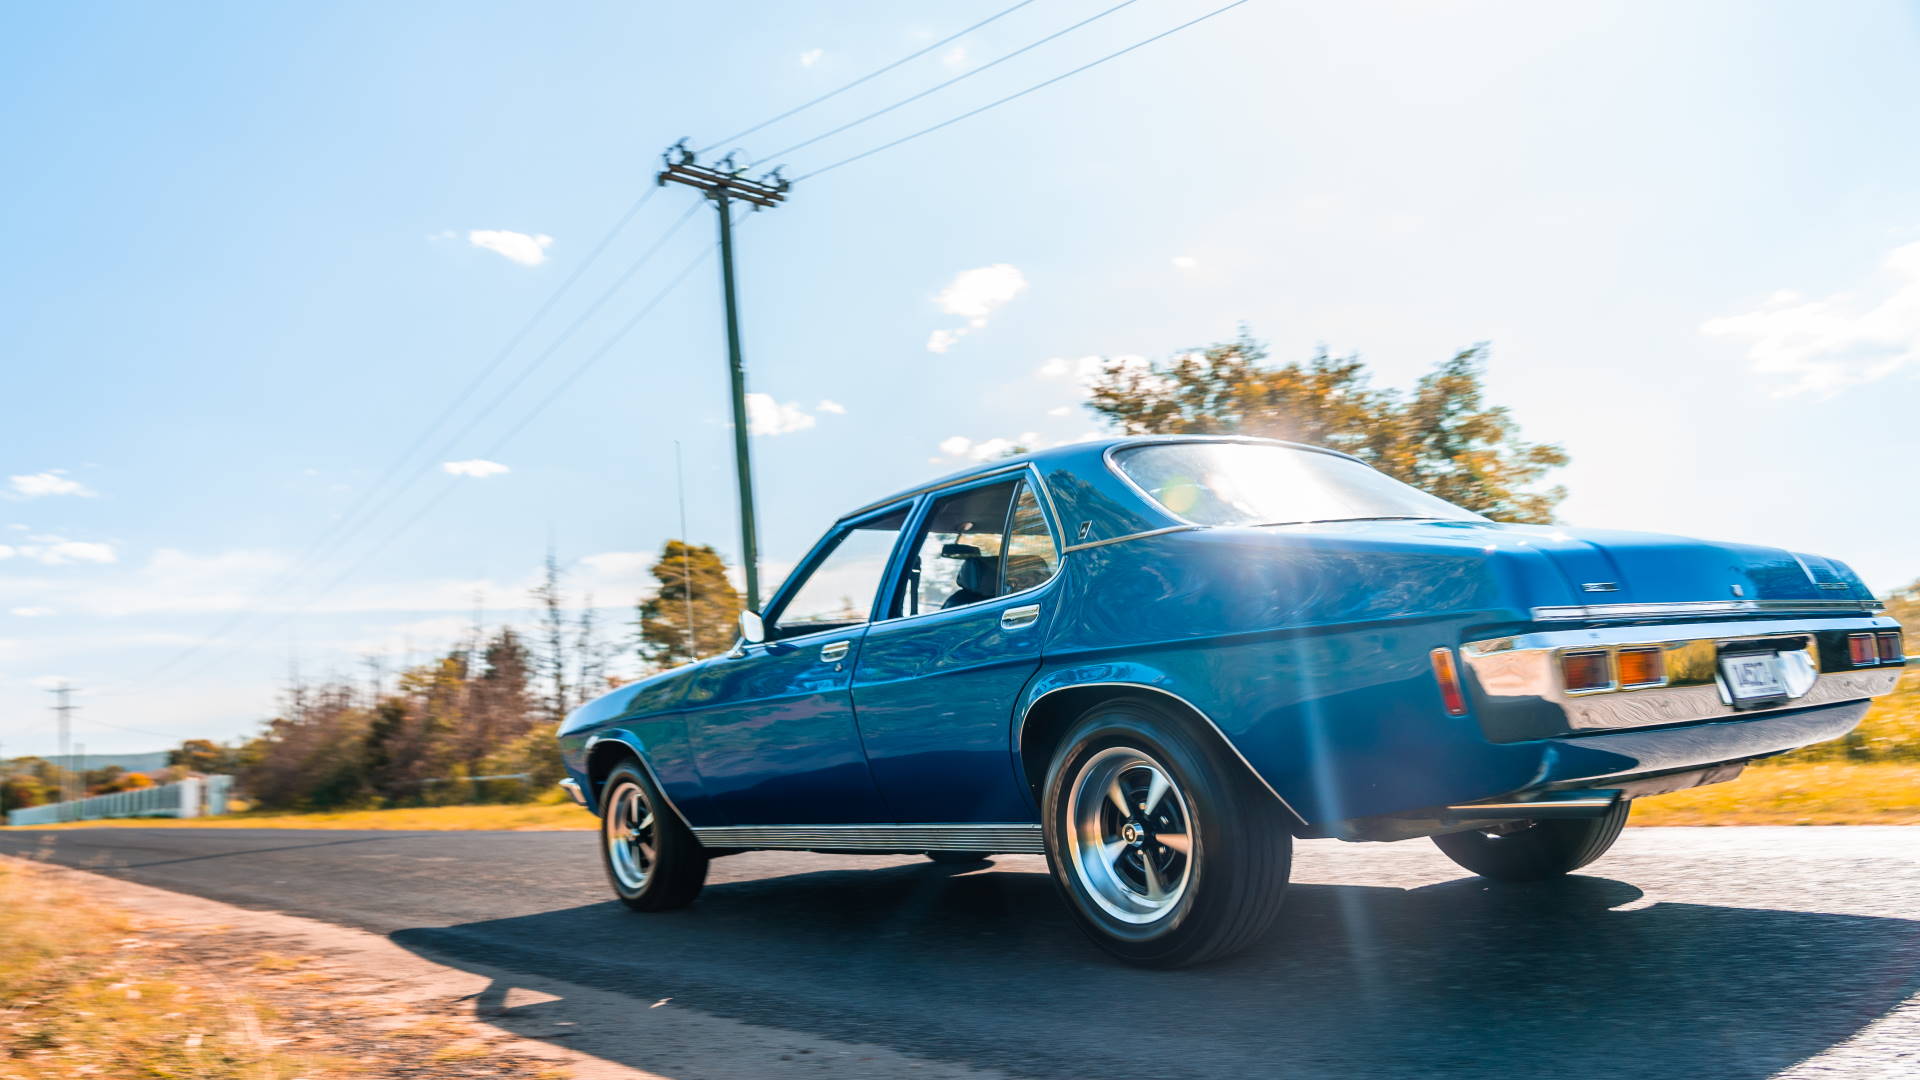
(605, 752)
(1046, 718)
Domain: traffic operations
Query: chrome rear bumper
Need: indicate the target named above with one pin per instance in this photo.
(1521, 694)
(572, 788)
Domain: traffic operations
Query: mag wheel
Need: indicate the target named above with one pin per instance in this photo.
(1535, 850)
(1166, 849)
(653, 862)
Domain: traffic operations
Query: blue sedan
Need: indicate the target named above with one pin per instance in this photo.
(1157, 661)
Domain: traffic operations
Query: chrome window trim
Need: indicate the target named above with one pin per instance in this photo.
(942, 485)
(1060, 552)
(1019, 730)
(1113, 467)
(1134, 536)
(1689, 608)
(997, 839)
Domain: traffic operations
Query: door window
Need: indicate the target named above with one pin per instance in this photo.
(839, 591)
(976, 545)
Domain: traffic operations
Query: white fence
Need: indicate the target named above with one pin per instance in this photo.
(193, 797)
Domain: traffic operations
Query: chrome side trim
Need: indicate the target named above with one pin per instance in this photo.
(572, 788)
(1134, 536)
(1689, 608)
(1019, 731)
(993, 839)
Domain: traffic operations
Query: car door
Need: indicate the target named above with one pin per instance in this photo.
(939, 672)
(771, 724)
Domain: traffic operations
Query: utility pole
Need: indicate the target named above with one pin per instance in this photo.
(722, 185)
(64, 711)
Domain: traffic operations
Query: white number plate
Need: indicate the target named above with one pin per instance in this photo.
(1753, 678)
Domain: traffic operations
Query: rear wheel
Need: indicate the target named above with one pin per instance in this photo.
(1166, 849)
(652, 860)
(1535, 850)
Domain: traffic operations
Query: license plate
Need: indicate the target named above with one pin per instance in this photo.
(1753, 679)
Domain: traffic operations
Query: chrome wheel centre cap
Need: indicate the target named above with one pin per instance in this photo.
(1133, 834)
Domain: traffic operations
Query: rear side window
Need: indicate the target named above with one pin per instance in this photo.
(976, 545)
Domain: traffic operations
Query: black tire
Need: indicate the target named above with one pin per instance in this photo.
(666, 866)
(1538, 851)
(1218, 896)
(959, 858)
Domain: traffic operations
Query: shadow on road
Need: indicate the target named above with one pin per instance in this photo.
(1569, 978)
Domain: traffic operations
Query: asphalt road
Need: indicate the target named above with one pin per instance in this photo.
(1730, 953)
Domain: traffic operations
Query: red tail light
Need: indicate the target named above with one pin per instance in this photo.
(1862, 650)
(1448, 677)
(1890, 648)
(1586, 671)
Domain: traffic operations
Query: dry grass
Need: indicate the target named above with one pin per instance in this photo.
(83, 992)
(512, 816)
(1797, 793)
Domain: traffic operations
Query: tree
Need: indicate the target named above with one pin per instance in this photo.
(202, 756)
(1443, 438)
(1904, 605)
(552, 657)
(673, 631)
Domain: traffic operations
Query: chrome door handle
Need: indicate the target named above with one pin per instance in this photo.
(1016, 617)
(834, 653)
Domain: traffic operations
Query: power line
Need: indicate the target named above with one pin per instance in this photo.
(942, 86)
(344, 530)
(1022, 93)
(717, 143)
(433, 503)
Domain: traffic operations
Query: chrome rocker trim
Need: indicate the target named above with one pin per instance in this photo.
(992, 839)
(1693, 608)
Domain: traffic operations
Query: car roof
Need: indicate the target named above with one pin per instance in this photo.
(1083, 454)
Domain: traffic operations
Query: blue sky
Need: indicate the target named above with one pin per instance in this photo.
(254, 250)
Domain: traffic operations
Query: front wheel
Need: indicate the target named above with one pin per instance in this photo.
(1167, 851)
(1535, 850)
(653, 861)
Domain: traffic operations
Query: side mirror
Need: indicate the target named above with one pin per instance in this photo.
(751, 628)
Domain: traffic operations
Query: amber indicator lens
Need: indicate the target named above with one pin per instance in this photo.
(1889, 648)
(1641, 667)
(1448, 677)
(1586, 671)
(1861, 649)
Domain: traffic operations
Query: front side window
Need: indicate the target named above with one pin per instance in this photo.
(976, 545)
(1256, 484)
(839, 591)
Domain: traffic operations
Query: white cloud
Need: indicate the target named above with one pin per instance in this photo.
(955, 56)
(811, 57)
(32, 612)
(1060, 410)
(1084, 371)
(479, 468)
(828, 405)
(1825, 345)
(974, 295)
(59, 551)
(1185, 262)
(765, 416)
(51, 482)
(525, 249)
(959, 446)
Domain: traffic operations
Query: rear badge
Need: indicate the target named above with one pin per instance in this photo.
(1599, 586)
